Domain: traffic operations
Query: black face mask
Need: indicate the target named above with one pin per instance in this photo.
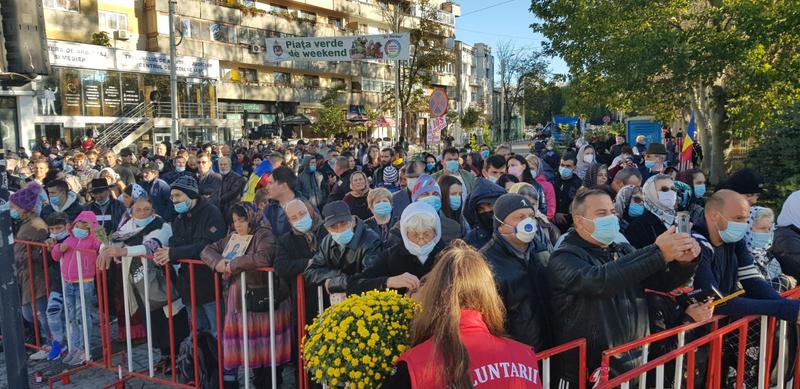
(486, 219)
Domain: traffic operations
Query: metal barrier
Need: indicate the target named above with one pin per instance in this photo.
(684, 358)
(545, 356)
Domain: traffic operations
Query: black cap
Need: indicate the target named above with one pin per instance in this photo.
(126, 152)
(656, 148)
(744, 181)
(508, 203)
(335, 212)
(150, 166)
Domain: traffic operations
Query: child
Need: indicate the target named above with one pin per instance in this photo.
(84, 239)
(57, 226)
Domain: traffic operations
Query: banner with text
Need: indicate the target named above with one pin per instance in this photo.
(435, 127)
(339, 48)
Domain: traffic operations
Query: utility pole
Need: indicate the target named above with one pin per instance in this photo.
(173, 78)
(11, 319)
(397, 113)
(502, 99)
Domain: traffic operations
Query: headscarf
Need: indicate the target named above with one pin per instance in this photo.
(253, 217)
(761, 255)
(111, 173)
(790, 213)
(651, 203)
(590, 179)
(623, 200)
(582, 166)
(416, 208)
(311, 234)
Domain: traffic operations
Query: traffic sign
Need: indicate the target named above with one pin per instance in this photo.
(438, 102)
(606, 119)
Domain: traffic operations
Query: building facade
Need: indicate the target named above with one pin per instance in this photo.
(226, 86)
(474, 67)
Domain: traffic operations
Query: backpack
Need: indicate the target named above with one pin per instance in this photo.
(207, 358)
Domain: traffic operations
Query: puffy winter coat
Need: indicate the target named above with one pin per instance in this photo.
(485, 191)
(336, 263)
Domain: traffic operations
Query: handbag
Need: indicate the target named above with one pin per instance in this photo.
(257, 299)
(156, 284)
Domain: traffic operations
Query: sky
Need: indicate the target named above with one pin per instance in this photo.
(495, 21)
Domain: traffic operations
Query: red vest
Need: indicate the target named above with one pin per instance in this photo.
(493, 362)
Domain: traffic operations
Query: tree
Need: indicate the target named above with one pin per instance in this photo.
(428, 51)
(543, 102)
(520, 69)
(662, 57)
(332, 120)
(470, 119)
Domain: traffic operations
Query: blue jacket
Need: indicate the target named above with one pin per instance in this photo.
(484, 191)
(723, 266)
(277, 218)
(159, 193)
(170, 177)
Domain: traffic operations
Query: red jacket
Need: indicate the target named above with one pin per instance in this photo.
(493, 362)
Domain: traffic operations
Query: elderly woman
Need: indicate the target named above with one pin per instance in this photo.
(141, 235)
(117, 186)
(660, 198)
(380, 203)
(629, 205)
(787, 236)
(356, 199)
(403, 265)
(258, 253)
(759, 240)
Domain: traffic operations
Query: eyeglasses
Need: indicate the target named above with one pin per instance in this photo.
(667, 189)
(637, 200)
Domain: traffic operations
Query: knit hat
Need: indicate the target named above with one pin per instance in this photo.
(187, 185)
(508, 203)
(656, 149)
(425, 183)
(390, 174)
(744, 181)
(26, 197)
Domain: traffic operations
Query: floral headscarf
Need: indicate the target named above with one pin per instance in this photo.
(767, 264)
(651, 203)
(623, 200)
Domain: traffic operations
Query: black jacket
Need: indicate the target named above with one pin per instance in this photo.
(598, 294)
(394, 262)
(341, 187)
(210, 187)
(232, 186)
(191, 232)
(565, 192)
(108, 216)
(338, 263)
(312, 186)
(786, 248)
(522, 284)
(400, 200)
(292, 255)
(484, 191)
(644, 230)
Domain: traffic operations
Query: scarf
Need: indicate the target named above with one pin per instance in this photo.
(770, 268)
(790, 213)
(623, 200)
(652, 204)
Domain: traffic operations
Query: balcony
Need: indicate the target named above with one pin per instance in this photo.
(267, 91)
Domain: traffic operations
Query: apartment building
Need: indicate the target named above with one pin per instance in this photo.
(474, 68)
(226, 86)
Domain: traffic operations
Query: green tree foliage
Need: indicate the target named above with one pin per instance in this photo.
(332, 120)
(776, 157)
(543, 102)
(470, 119)
(101, 39)
(727, 60)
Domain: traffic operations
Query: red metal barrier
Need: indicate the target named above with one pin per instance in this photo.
(546, 355)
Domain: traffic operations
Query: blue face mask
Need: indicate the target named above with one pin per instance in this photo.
(79, 233)
(699, 190)
(141, 223)
(606, 229)
(420, 251)
(429, 166)
(761, 240)
(304, 224)
(650, 164)
(14, 214)
(59, 237)
(312, 168)
(565, 172)
(455, 202)
(55, 201)
(452, 166)
(342, 238)
(485, 154)
(636, 210)
(180, 169)
(183, 207)
(734, 233)
(384, 208)
(433, 201)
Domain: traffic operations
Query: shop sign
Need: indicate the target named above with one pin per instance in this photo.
(339, 48)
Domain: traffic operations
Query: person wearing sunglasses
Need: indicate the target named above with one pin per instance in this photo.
(654, 160)
(629, 205)
(660, 198)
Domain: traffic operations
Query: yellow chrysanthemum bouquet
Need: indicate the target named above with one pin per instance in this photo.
(356, 343)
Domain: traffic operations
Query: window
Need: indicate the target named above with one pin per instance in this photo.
(336, 22)
(113, 21)
(305, 15)
(338, 83)
(223, 33)
(282, 78)
(311, 81)
(193, 28)
(63, 5)
(376, 85)
(248, 75)
(278, 8)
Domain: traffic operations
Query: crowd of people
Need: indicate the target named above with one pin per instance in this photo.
(581, 241)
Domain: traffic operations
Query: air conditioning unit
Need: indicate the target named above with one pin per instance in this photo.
(255, 49)
(121, 35)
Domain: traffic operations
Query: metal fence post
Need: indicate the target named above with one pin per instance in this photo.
(13, 335)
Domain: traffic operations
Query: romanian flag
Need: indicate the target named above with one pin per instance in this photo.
(257, 180)
(688, 144)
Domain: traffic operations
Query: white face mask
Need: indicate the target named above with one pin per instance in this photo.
(492, 179)
(411, 182)
(588, 158)
(668, 199)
